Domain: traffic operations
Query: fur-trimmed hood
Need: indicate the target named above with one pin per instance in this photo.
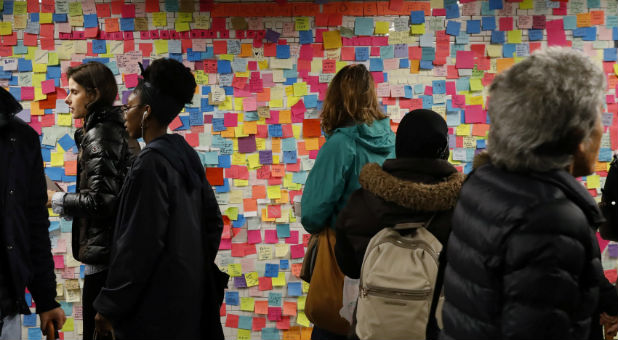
(438, 196)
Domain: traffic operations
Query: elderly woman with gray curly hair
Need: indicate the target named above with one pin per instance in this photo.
(523, 260)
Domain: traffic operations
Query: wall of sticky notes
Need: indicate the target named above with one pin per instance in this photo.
(263, 69)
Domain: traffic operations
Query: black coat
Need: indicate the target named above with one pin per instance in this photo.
(161, 280)
(523, 259)
(26, 249)
(402, 190)
(103, 161)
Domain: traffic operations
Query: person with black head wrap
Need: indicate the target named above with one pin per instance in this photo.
(418, 184)
(25, 248)
(163, 282)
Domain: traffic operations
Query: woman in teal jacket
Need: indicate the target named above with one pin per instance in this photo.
(357, 133)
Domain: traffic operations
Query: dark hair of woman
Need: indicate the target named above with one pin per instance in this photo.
(96, 79)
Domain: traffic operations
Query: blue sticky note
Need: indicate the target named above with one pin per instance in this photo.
(362, 53)
(614, 33)
(535, 35)
(66, 142)
(270, 334)
(605, 155)
(311, 100)
(508, 50)
(271, 270)
(53, 72)
(488, 23)
(288, 144)
(404, 63)
(295, 289)
(439, 86)
(497, 37)
(299, 177)
(289, 157)
(171, 5)
(225, 161)
(452, 11)
(462, 84)
(15, 92)
(35, 333)
(54, 173)
(58, 17)
(185, 123)
(305, 37)
(90, 20)
(232, 298)
(363, 26)
(53, 226)
(417, 17)
(66, 225)
(212, 158)
(30, 320)
(481, 144)
(67, 307)
(275, 299)
(569, 22)
(453, 27)
(99, 46)
(283, 230)
(473, 26)
(196, 118)
(218, 124)
(594, 3)
(376, 65)
(387, 52)
(283, 51)
(224, 66)
(240, 221)
(428, 53)
(24, 65)
(275, 130)
(495, 4)
(426, 65)
(609, 54)
(284, 264)
(590, 33)
(223, 188)
(427, 101)
(127, 24)
(407, 89)
(245, 322)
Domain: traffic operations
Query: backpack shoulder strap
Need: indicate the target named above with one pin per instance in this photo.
(415, 225)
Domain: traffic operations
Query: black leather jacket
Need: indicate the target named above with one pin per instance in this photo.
(103, 161)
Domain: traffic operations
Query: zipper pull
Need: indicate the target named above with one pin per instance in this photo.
(363, 292)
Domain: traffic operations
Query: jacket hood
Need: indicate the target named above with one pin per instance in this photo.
(566, 182)
(438, 196)
(181, 156)
(376, 137)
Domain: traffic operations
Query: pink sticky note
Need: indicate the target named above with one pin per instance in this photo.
(297, 251)
(270, 236)
(274, 313)
(459, 101)
(27, 93)
(475, 114)
(274, 211)
(465, 59)
(58, 261)
(230, 120)
(555, 33)
(298, 112)
(225, 244)
(602, 243)
(130, 80)
(175, 124)
(254, 236)
(293, 239)
(249, 104)
(48, 86)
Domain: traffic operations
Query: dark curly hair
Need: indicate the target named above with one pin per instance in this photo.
(167, 85)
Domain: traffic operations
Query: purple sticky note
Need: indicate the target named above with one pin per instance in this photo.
(272, 36)
(612, 250)
(240, 282)
(247, 144)
(266, 157)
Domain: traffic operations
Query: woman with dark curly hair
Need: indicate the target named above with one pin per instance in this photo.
(162, 280)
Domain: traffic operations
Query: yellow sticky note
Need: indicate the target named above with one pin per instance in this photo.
(474, 100)
(593, 181)
(69, 325)
(301, 24)
(300, 89)
(52, 59)
(232, 213)
(75, 8)
(300, 303)
(417, 29)
(476, 85)
(182, 26)
(234, 269)
(275, 103)
(616, 69)
(239, 159)
(229, 57)
(243, 334)
(39, 68)
(161, 46)
(381, 27)
(241, 182)
(513, 37)
(247, 304)
(251, 279)
(159, 19)
(20, 8)
(45, 18)
(332, 39)
(38, 94)
(274, 192)
(526, 4)
(185, 17)
(494, 51)
(57, 159)
(254, 161)
(305, 290)
(6, 28)
(226, 105)
(282, 249)
(463, 130)
(302, 320)
(339, 65)
(279, 281)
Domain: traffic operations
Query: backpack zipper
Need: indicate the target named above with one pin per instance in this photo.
(396, 293)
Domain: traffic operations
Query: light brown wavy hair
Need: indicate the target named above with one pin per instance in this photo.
(350, 98)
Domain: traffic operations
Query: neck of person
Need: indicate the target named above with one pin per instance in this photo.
(153, 132)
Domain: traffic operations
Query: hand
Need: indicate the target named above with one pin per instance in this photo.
(55, 315)
(50, 194)
(102, 326)
(610, 325)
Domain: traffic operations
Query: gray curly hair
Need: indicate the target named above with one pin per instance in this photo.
(542, 108)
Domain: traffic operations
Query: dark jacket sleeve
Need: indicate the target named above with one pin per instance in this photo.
(102, 152)
(346, 256)
(213, 223)
(139, 239)
(43, 282)
(545, 257)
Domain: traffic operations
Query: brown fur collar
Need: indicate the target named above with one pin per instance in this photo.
(481, 159)
(417, 196)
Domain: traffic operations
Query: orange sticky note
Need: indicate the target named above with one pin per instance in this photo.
(261, 307)
(584, 20)
(332, 39)
(503, 64)
(249, 204)
(258, 191)
(289, 308)
(70, 168)
(111, 25)
(311, 128)
(214, 176)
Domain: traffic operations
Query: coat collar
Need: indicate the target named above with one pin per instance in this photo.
(113, 114)
(437, 196)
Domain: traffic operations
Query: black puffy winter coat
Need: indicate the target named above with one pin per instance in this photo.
(103, 161)
(162, 281)
(523, 259)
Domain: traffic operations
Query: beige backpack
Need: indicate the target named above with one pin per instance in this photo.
(397, 283)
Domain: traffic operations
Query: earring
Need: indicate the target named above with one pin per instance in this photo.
(142, 123)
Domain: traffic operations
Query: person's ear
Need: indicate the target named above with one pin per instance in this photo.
(93, 95)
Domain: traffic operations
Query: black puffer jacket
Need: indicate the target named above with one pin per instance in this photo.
(523, 260)
(103, 161)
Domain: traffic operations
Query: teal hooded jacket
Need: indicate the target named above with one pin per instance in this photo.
(334, 175)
